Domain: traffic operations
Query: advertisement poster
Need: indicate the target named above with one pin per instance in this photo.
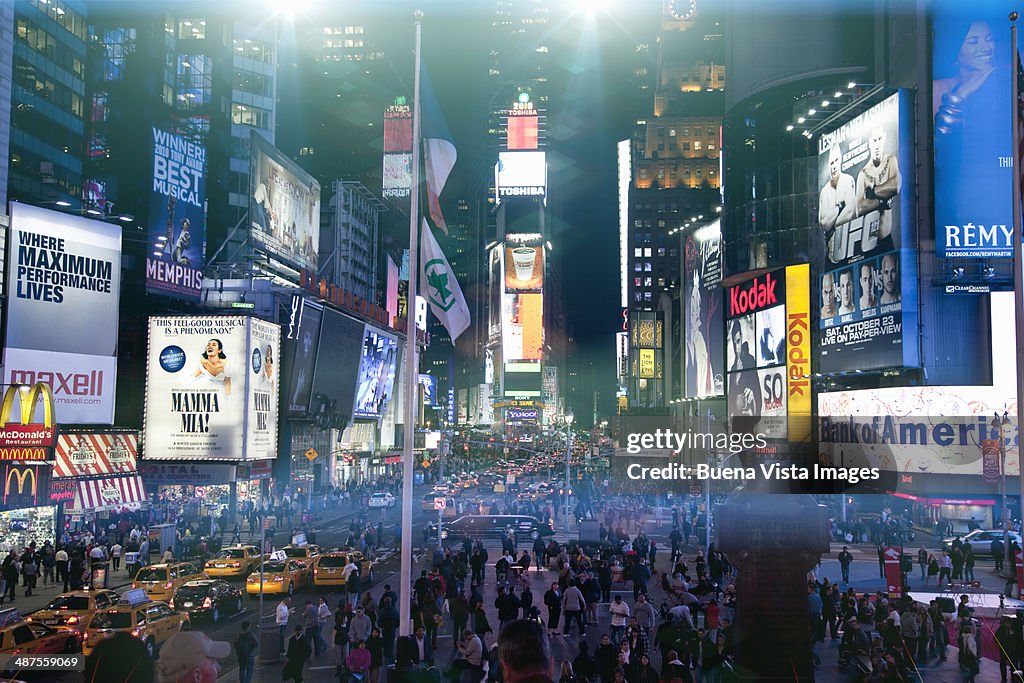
(865, 213)
(96, 453)
(972, 108)
(703, 315)
(83, 386)
(521, 174)
(757, 388)
(284, 206)
(263, 370)
(64, 282)
(176, 231)
(524, 269)
(397, 175)
(522, 331)
(302, 337)
(798, 352)
(376, 374)
(211, 388)
(429, 384)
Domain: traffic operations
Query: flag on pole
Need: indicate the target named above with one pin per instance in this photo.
(440, 287)
(438, 151)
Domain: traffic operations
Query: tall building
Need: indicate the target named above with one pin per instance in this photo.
(48, 99)
(348, 239)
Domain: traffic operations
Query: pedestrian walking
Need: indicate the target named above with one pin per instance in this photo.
(297, 655)
(245, 651)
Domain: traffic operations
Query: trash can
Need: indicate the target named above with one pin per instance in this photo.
(270, 642)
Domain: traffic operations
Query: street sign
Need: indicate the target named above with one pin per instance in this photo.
(510, 478)
(696, 491)
(425, 463)
(440, 503)
(311, 454)
(200, 492)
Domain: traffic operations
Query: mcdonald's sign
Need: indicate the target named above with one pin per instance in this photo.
(26, 485)
(25, 453)
(26, 433)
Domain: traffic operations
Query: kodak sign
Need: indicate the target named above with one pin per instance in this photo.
(764, 291)
(798, 352)
(26, 434)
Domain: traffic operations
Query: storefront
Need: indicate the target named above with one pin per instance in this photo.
(187, 489)
(27, 512)
(962, 512)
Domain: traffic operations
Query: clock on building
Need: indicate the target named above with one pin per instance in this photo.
(683, 10)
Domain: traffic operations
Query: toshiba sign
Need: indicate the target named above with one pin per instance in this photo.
(762, 292)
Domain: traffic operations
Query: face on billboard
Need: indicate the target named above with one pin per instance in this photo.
(177, 217)
(890, 279)
(376, 374)
(971, 93)
(262, 395)
(771, 336)
(284, 206)
(524, 268)
(741, 343)
(705, 366)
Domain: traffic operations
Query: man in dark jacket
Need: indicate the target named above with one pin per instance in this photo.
(606, 656)
(553, 601)
(524, 653)
(297, 654)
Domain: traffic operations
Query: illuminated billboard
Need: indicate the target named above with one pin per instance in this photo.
(302, 337)
(397, 175)
(398, 127)
(972, 109)
(522, 326)
(524, 268)
(523, 379)
(211, 388)
(284, 206)
(376, 374)
(176, 231)
(768, 343)
(705, 366)
(521, 174)
(522, 131)
(869, 287)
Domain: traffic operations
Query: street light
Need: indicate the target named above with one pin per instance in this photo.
(568, 455)
(1001, 425)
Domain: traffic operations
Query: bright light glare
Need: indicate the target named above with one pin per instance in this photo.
(592, 7)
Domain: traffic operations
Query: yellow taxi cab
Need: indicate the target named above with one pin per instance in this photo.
(304, 553)
(150, 621)
(19, 636)
(236, 561)
(329, 567)
(72, 610)
(281, 575)
(160, 581)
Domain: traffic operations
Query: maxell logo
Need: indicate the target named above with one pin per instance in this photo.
(71, 384)
(759, 294)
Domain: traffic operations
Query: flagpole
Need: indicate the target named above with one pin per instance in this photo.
(411, 364)
(1018, 265)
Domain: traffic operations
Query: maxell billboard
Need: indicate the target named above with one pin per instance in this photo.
(868, 314)
(64, 279)
(705, 365)
(972, 109)
(176, 232)
(211, 388)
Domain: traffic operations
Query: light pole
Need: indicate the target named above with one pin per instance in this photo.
(568, 456)
(1001, 425)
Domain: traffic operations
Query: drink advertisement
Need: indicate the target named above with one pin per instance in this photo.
(211, 388)
(177, 217)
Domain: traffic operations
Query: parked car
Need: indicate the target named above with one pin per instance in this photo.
(980, 540)
(479, 527)
(208, 599)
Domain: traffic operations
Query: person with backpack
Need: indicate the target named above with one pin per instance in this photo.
(245, 650)
(30, 570)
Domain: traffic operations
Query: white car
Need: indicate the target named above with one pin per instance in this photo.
(382, 499)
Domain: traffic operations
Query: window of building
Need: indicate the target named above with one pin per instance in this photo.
(638, 252)
(251, 116)
(711, 132)
(661, 251)
(671, 132)
(696, 145)
(638, 267)
(648, 296)
(661, 282)
(647, 252)
(254, 83)
(661, 146)
(686, 145)
(661, 223)
(636, 282)
(195, 81)
(192, 28)
(647, 266)
(638, 296)
(257, 50)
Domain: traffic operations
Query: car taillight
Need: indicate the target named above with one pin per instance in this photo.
(72, 619)
(238, 565)
(207, 603)
(134, 585)
(28, 619)
(169, 585)
(208, 565)
(135, 632)
(316, 571)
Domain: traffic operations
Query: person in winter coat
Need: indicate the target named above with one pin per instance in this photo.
(297, 654)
